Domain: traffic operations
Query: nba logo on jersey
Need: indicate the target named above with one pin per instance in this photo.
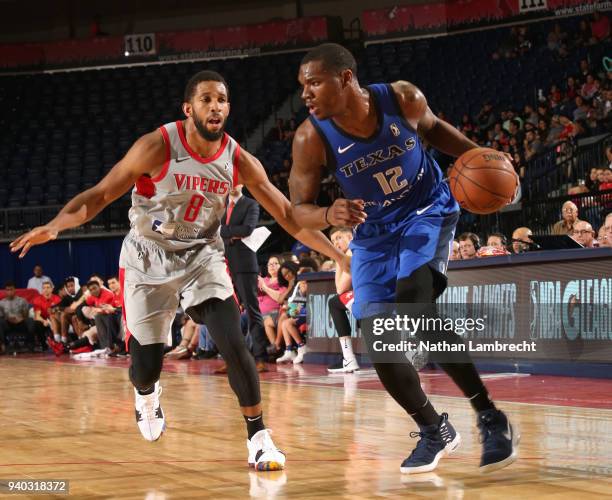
(227, 165)
(394, 129)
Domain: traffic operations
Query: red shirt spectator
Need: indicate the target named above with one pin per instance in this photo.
(105, 297)
(600, 26)
(42, 304)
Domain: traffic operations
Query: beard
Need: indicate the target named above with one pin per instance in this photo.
(207, 134)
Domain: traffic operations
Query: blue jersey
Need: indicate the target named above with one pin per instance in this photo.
(390, 171)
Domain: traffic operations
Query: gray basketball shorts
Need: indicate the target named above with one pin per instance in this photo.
(156, 281)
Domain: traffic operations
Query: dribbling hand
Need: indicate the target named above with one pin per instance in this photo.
(348, 213)
(36, 236)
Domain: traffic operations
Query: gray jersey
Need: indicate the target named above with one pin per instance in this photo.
(183, 205)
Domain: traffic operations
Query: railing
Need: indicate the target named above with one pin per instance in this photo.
(567, 163)
(541, 215)
(112, 221)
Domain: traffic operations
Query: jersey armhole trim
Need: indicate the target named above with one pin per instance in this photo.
(331, 162)
(236, 162)
(398, 109)
(166, 166)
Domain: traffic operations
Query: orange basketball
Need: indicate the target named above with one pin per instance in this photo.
(483, 180)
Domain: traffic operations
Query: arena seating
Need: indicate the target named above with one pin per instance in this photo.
(63, 131)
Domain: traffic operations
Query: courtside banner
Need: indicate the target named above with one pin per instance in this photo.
(553, 311)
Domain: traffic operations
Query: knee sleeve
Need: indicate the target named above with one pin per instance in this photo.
(147, 361)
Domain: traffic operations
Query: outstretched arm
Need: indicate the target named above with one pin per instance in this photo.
(304, 183)
(146, 156)
(440, 134)
(252, 174)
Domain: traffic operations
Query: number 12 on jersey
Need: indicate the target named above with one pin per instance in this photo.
(388, 180)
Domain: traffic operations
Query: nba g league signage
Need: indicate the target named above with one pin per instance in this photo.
(564, 307)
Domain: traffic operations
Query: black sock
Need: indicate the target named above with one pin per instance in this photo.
(482, 402)
(426, 415)
(467, 379)
(254, 424)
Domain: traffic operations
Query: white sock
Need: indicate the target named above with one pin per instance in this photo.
(56, 337)
(65, 340)
(347, 348)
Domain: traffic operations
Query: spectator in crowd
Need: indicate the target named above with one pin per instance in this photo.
(278, 132)
(589, 88)
(497, 240)
(455, 251)
(569, 213)
(591, 182)
(71, 295)
(532, 145)
(581, 110)
(521, 240)
(108, 322)
(190, 339)
(271, 296)
(469, 243)
(327, 266)
(36, 281)
(583, 233)
(605, 233)
(584, 35)
(287, 278)
(600, 27)
(485, 117)
(340, 305)
(606, 179)
(14, 317)
(296, 318)
(44, 306)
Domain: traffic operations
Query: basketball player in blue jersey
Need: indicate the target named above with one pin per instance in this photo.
(181, 175)
(405, 217)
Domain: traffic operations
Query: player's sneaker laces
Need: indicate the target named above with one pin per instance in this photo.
(263, 454)
(436, 441)
(288, 357)
(149, 415)
(499, 440)
(344, 366)
(301, 351)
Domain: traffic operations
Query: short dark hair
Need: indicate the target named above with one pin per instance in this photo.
(92, 282)
(112, 277)
(501, 236)
(472, 237)
(333, 56)
(203, 76)
(309, 262)
(9, 284)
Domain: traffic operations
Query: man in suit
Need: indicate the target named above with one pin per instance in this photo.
(240, 220)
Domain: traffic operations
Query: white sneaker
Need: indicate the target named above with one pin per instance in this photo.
(344, 367)
(149, 415)
(263, 454)
(300, 355)
(288, 357)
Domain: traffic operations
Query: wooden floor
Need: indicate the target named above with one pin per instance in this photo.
(344, 437)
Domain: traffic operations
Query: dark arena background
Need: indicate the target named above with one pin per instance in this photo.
(80, 82)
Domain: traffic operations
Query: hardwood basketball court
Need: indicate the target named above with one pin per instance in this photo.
(343, 436)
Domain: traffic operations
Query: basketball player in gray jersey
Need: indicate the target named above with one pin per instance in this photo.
(173, 254)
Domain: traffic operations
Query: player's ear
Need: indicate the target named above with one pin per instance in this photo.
(347, 77)
(187, 109)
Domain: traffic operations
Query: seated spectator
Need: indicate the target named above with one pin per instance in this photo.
(456, 251)
(530, 116)
(469, 243)
(571, 88)
(108, 322)
(271, 295)
(287, 278)
(44, 306)
(36, 281)
(569, 214)
(190, 339)
(206, 347)
(521, 240)
(605, 233)
(532, 145)
(485, 117)
(14, 317)
(555, 130)
(583, 233)
(589, 88)
(600, 27)
(497, 240)
(66, 307)
(296, 317)
(581, 110)
(584, 35)
(606, 179)
(591, 181)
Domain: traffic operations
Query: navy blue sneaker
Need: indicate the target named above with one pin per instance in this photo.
(436, 441)
(499, 440)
